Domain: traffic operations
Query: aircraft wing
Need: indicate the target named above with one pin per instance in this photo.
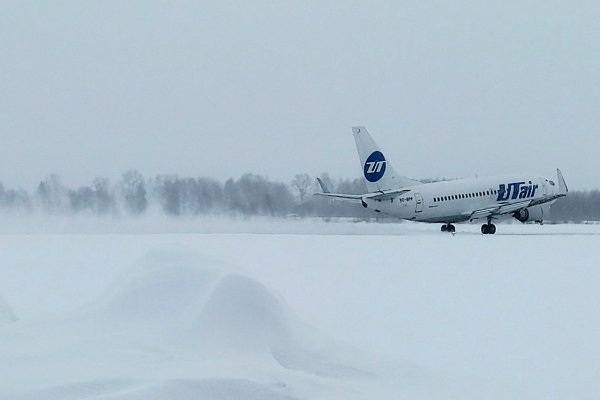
(511, 208)
(546, 199)
(500, 209)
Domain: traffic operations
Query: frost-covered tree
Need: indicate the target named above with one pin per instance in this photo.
(301, 183)
(133, 187)
(52, 195)
(103, 193)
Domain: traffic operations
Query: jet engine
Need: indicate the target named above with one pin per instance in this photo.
(532, 214)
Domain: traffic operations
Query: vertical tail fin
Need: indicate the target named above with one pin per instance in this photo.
(377, 171)
(562, 185)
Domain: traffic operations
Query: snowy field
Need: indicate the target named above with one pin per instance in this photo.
(228, 309)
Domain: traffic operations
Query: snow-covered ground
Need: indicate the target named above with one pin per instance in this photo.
(227, 309)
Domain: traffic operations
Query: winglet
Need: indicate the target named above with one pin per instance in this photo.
(562, 186)
(324, 188)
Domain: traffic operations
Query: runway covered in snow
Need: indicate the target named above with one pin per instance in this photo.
(300, 310)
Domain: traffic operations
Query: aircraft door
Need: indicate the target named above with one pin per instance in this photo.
(418, 202)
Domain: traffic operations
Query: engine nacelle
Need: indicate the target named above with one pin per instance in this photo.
(533, 214)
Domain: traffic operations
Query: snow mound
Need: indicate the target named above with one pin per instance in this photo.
(243, 318)
(163, 291)
(6, 313)
(191, 305)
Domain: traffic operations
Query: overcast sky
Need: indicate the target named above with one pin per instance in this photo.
(450, 89)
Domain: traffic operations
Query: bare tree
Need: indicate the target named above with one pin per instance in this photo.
(301, 183)
(103, 191)
(134, 192)
(52, 195)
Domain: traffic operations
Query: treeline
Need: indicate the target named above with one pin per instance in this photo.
(250, 195)
(133, 194)
(578, 206)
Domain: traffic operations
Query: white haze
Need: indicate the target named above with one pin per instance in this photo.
(221, 88)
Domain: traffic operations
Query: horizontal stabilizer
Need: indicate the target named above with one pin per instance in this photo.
(357, 198)
(385, 194)
(382, 195)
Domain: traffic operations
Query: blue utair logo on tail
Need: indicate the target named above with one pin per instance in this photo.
(375, 166)
(516, 190)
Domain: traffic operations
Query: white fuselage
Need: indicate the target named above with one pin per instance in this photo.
(455, 200)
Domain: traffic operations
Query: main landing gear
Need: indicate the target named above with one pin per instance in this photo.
(448, 228)
(489, 228)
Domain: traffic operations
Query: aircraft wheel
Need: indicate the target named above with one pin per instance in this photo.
(485, 229)
(451, 228)
(444, 228)
(492, 229)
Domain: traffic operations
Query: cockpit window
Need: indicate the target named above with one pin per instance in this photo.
(551, 183)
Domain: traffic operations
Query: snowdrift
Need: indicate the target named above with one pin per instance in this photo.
(191, 304)
(161, 293)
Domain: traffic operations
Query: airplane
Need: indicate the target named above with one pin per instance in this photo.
(526, 197)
